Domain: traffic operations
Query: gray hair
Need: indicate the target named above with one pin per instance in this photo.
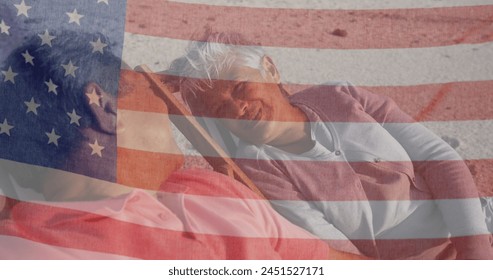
(214, 56)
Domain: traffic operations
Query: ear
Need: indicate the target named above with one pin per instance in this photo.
(102, 106)
(171, 81)
(271, 69)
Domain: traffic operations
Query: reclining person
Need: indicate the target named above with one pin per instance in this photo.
(59, 131)
(339, 161)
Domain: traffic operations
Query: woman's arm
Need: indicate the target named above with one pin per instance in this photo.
(446, 175)
(291, 204)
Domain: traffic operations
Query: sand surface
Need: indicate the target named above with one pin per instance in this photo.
(481, 169)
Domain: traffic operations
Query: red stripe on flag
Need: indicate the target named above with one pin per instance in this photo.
(135, 93)
(430, 248)
(92, 232)
(437, 102)
(482, 172)
(82, 230)
(456, 101)
(75, 229)
(338, 29)
(443, 102)
(145, 170)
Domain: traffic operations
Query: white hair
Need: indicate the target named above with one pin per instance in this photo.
(213, 58)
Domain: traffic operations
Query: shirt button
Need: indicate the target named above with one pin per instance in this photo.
(338, 153)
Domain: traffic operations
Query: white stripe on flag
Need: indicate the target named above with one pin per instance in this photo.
(375, 67)
(179, 202)
(473, 136)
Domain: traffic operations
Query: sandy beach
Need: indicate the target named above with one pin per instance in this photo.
(409, 64)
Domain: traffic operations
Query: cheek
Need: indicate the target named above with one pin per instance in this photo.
(278, 104)
(268, 93)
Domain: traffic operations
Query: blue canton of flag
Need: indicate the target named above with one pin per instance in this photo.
(40, 109)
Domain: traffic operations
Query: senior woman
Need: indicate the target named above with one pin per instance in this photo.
(64, 150)
(346, 164)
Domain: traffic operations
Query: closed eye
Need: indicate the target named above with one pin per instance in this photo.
(239, 88)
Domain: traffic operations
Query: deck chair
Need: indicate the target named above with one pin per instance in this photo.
(190, 127)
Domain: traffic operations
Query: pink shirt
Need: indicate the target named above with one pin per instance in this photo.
(198, 214)
(385, 186)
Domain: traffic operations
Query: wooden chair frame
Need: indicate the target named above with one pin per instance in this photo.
(195, 133)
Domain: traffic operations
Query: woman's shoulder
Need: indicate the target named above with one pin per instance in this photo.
(323, 93)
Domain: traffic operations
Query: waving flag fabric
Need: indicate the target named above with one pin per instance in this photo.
(427, 56)
(46, 157)
(44, 21)
(430, 57)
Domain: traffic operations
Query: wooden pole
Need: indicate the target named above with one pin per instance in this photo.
(195, 133)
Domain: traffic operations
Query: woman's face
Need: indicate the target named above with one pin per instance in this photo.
(249, 104)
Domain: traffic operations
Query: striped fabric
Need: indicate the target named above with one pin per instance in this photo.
(430, 57)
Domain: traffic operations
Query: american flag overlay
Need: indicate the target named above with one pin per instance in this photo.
(395, 98)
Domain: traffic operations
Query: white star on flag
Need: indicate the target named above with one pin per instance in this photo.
(46, 38)
(28, 58)
(93, 97)
(22, 8)
(98, 46)
(69, 69)
(53, 137)
(103, 1)
(32, 106)
(74, 118)
(4, 28)
(5, 127)
(96, 148)
(9, 75)
(74, 17)
(51, 87)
